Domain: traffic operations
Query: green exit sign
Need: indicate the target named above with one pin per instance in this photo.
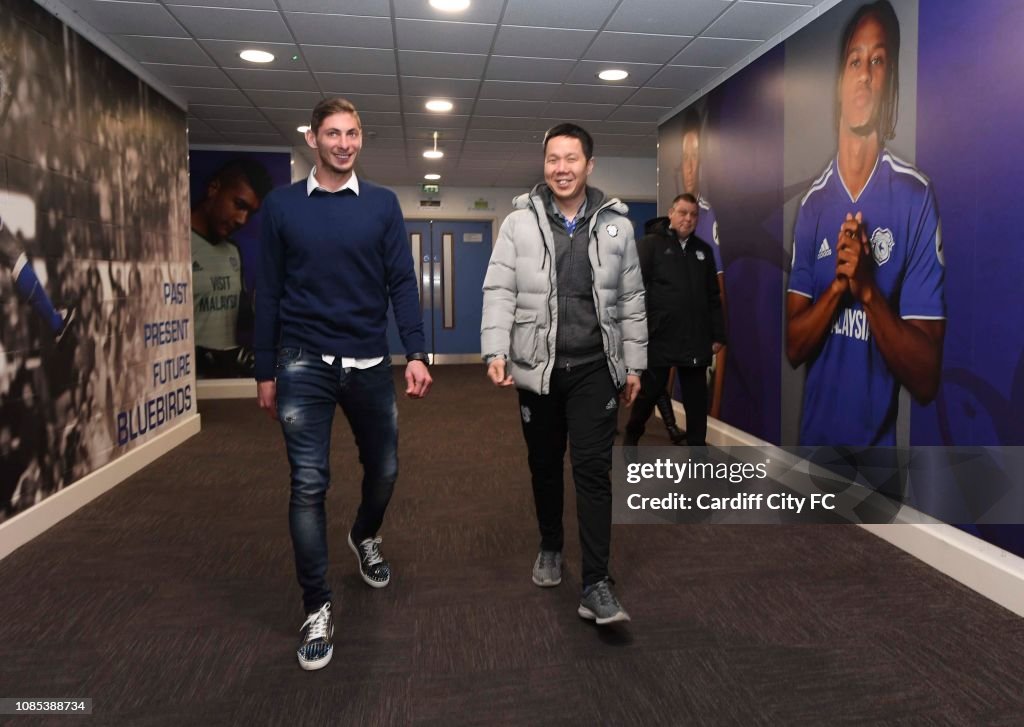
(430, 188)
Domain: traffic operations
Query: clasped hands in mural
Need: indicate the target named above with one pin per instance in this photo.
(853, 268)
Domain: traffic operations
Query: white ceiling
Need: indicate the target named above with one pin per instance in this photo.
(512, 68)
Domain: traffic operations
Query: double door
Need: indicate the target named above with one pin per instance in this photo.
(451, 259)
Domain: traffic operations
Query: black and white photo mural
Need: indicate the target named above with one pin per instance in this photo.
(96, 341)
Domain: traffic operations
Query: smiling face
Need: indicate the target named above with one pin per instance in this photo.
(337, 143)
(566, 169)
(862, 85)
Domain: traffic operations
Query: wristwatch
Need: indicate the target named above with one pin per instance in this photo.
(421, 356)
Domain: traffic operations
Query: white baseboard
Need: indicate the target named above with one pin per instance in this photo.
(985, 568)
(26, 525)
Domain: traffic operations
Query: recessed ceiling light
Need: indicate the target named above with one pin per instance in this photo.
(449, 6)
(612, 74)
(434, 153)
(256, 56)
(302, 129)
(432, 177)
(439, 104)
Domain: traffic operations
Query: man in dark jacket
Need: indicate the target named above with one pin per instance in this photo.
(684, 318)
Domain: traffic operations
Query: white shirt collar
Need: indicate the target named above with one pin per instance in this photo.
(312, 184)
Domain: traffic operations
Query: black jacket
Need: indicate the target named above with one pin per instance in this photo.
(684, 309)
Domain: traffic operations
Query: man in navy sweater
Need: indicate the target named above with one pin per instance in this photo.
(334, 253)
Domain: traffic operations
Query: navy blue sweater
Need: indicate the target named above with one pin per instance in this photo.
(329, 264)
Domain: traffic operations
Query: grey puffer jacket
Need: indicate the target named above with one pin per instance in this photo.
(520, 316)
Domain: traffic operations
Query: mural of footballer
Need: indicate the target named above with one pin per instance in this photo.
(865, 308)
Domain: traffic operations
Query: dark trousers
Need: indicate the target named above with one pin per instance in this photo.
(692, 383)
(581, 407)
(308, 393)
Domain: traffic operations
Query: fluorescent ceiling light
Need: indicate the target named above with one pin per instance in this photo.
(432, 177)
(439, 104)
(449, 6)
(612, 74)
(302, 129)
(256, 56)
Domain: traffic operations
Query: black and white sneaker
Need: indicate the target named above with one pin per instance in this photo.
(315, 649)
(372, 566)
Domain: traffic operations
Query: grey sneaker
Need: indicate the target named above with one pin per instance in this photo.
(315, 650)
(598, 603)
(547, 569)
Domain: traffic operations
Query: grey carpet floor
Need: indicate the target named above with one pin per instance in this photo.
(171, 600)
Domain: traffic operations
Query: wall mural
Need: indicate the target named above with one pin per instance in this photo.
(96, 339)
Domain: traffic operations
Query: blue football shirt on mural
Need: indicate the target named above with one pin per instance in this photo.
(707, 230)
(850, 395)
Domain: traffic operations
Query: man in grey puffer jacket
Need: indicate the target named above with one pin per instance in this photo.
(564, 322)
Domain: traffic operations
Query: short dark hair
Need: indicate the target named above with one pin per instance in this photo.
(242, 169)
(883, 12)
(576, 132)
(329, 106)
(684, 197)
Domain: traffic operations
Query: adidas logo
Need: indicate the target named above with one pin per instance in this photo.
(824, 250)
(612, 404)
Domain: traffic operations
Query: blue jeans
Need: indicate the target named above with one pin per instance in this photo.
(308, 390)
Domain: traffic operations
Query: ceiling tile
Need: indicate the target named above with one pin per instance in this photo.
(341, 30)
(244, 4)
(230, 24)
(512, 90)
(214, 96)
(441, 65)
(755, 21)
(148, 49)
(204, 111)
(288, 118)
(379, 8)
(634, 129)
(542, 42)
(204, 137)
(443, 37)
(380, 118)
(500, 135)
(506, 68)
(373, 102)
(336, 59)
(638, 113)
(586, 72)
(286, 99)
(585, 14)
(345, 83)
(128, 18)
(225, 53)
(480, 11)
(686, 78)
(505, 122)
(579, 111)
(435, 121)
(721, 52)
(231, 125)
(261, 80)
(180, 75)
(197, 126)
(586, 93)
(667, 97)
(443, 87)
(493, 107)
(636, 47)
(658, 16)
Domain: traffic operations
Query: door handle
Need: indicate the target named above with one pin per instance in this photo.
(426, 258)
